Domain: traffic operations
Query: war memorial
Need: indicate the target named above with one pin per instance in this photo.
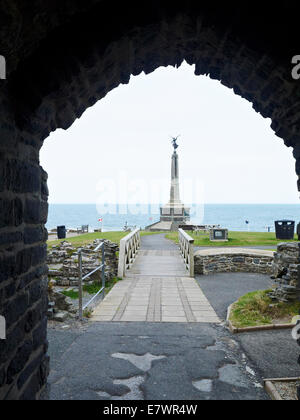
(174, 213)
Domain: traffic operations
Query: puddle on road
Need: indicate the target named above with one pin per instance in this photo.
(204, 385)
(134, 385)
(143, 363)
(134, 392)
(232, 375)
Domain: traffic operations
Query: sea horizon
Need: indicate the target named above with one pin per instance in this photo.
(232, 216)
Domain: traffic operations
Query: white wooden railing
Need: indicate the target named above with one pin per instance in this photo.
(101, 293)
(128, 250)
(186, 245)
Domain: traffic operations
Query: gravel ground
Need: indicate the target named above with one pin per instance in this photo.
(274, 353)
(287, 390)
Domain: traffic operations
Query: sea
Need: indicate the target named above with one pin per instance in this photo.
(235, 217)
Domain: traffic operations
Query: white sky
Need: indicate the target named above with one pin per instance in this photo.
(228, 152)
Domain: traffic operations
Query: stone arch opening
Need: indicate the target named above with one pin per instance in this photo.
(70, 59)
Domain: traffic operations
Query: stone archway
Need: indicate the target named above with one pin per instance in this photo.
(71, 57)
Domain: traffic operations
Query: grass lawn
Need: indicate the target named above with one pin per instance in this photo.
(87, 238)
(243, 239)
(254, 309)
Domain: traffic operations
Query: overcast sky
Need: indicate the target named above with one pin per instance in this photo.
(120, 149)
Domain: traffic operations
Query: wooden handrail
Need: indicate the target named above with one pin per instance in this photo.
(186, 245)
(128, 250)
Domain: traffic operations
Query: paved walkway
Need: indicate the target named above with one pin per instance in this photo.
(156, 299)
(156, 289)
(222, 289)
(158, 263)
(149, 361)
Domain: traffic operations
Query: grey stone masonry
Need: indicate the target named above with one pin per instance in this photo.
(62, 261)
(228, 260)
(62, 57)
(23, 272)
(286, 271)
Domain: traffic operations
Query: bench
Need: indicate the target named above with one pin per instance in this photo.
(83, 229)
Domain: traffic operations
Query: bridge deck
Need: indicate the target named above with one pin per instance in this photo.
(156, 289)
(158, 263)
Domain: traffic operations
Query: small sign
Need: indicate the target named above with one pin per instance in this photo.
(218, 235)
(2, 328)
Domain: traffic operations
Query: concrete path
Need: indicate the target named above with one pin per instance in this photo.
(223, 289)
(156, 299)
(158, 263)
(158, 242)
(156, 289)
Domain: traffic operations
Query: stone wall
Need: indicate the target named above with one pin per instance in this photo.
(23, 273)
(62, 261)
(72, 56)
(60, 307)
(286, 272)
(232, 260)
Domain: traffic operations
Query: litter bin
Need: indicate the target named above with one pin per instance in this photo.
(61, 232)
(298, 231)
(285, 229)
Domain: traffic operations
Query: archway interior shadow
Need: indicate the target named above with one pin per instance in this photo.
(56, 73)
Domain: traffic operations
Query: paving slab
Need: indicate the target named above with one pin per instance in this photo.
(156, 289)
(165, 300)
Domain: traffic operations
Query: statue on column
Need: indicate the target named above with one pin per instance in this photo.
(174, 213)
(174, 141)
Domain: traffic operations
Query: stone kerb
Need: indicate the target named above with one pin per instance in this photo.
(208, 261)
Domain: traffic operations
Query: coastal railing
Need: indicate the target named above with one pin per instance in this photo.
(100, 294)
(128, 250)
(186, 245)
